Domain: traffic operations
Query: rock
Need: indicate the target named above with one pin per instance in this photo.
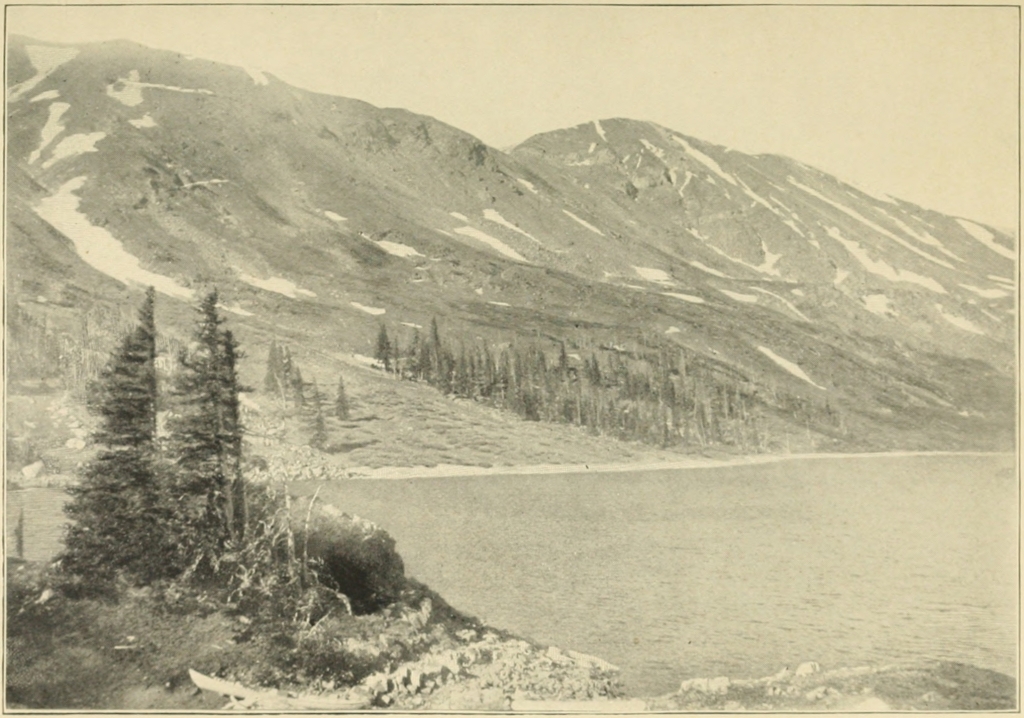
(732, 706)
(780, 676)
(806, 669)
(817, 694)
(874, 703)
(31, 471)
(76, 444)
(694, 684)
(718, 686)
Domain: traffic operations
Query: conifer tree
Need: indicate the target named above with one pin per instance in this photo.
(314, 417)
(206, 438)
(118, 511)
(275, 369)
(383, 353)
(341, 407)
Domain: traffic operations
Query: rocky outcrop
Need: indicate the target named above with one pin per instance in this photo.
(927, 686)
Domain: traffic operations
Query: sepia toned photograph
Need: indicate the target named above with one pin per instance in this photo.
(527, 358)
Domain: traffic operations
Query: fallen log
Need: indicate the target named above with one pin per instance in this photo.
(243, 697)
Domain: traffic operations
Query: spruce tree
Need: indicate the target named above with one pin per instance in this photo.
(206, 439)
(275, 369)
(314, 417)
(341, 407)
(383, 353)
(118, 511)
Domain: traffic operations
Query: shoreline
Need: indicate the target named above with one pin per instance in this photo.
(441, 471)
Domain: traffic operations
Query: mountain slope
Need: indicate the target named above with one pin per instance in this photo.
(320, 217)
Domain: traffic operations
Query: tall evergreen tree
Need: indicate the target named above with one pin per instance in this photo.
(118, 511)
(314, 417)
(383, 353)
(341, 407)
(275, 369)
(206, 438)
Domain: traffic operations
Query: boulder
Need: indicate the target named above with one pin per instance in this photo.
(806, 669)
(32, 471)
(352, 555)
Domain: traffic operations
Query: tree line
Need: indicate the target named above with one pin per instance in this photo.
(654, 394)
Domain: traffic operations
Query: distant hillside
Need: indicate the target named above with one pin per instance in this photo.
(320, 218)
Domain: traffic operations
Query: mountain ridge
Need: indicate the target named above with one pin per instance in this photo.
(320, 217)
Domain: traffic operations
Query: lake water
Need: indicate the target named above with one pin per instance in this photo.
(730, 571)
(733, 571)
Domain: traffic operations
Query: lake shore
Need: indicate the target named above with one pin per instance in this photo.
(696, 462)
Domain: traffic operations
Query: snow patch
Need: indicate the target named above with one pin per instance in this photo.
(653, 275)
(797, 292)
(375, 311)
(444, 232)
(48, 95)
(748, 298)
(44, 59)
(593, 146)
(460, 217)
(495, 244)
(600, 130)
(128, 90)
(398, 249)
(335, 216)
(653, 149)
(706, 161)
(235, 309)
(96, 246)
(493, 216)
(527, 185)
(841, 275)
(411, 324)
(792, 225)
(685, 297)
(922, 237)
(51, 129)
(143, 122)
(257, 76)
(789, 304)
(500, 304)
(959, 322)
(986, 293)
(871, 225)
(789, 366)
(985, 237)
(277, 285)
(704, 268)
(881, 268)
(863, 189)
(766, 267)
(583, 222)
(74, 145)
(673, 330)
(878, 304)
(1004, 280)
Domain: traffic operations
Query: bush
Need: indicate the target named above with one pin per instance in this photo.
(353, 556)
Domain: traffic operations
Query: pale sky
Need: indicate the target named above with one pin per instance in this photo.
(919, 102)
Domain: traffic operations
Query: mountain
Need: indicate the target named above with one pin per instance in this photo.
(318, 218)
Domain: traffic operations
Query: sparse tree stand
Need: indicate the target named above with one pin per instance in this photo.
(206, 439)
(120, 517)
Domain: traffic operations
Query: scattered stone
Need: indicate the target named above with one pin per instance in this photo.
(75, 444)
(32, 471)
(806, 669)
